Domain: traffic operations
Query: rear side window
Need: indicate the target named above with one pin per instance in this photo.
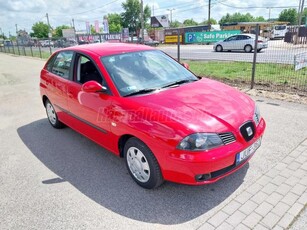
(61, 64)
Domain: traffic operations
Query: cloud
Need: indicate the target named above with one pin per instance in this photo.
(61, 12)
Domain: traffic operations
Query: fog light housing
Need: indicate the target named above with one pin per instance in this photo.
(203, 177)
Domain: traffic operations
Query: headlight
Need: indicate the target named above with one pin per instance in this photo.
(257, 115)
(200, 141)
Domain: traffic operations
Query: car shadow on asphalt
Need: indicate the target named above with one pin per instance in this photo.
(103, 177)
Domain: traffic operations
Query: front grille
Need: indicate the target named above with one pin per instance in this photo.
(248, 130)
(227, 138)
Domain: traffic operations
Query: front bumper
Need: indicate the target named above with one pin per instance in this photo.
(186, 167)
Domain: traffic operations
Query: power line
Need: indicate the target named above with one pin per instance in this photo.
(257, 7)
(99, 7)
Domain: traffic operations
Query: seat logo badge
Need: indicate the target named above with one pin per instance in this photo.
(249, 131)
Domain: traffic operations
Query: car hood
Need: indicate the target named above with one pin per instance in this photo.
(201, 106)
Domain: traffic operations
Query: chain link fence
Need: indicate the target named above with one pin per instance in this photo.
(282, 67)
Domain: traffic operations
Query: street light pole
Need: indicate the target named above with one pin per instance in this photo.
(171, 14)
(142, 21)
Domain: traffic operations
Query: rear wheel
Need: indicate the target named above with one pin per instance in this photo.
(142, 164)
(248, 48)
(218, 48)
(52, 116)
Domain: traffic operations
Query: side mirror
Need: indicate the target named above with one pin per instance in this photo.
(93, 87)
(185, 65)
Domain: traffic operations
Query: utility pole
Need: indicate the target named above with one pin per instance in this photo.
(209, 12)
(73, 26)
(49, 33)
(269, 12)
(171, 14)
(142, 21)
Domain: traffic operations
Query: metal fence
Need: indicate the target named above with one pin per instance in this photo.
(282, 67)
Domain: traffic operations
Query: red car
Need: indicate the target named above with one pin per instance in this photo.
(142, 105)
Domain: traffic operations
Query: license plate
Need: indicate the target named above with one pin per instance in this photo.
(248, 151)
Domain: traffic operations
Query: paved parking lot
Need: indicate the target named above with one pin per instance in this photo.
(58, 179)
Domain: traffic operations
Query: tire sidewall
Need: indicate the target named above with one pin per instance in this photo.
(57, 124)
(219, 48)
(249, 48)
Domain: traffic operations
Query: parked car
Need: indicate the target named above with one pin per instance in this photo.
(46, 43)
(64, 43)
(244, 42)
(144, 106)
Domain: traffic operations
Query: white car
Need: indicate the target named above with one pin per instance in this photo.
(244, 42)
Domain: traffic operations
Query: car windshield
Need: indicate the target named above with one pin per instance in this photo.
(145, 71)
(280, 27)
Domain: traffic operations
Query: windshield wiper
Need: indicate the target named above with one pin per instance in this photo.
(141, 91)
(179, 82)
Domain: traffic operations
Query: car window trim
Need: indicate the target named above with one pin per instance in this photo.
(74, 77)
(71, 64)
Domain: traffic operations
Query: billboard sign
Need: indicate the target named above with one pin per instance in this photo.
(300, 61)
(206, 37)
(159, 21)
(68, 33)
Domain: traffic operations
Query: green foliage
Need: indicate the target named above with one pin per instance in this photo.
(115, 23)
(277, 74)
(211, 22)
(288, 15)
(40, 30)
(131, 15)
(93, 30)
(190, 22)
(175, 24)
(238, 17)
(58, 30)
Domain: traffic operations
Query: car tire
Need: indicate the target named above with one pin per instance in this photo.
(258, 50)
(142, 165)
(218, 48)
(248, 48)
(52, 116)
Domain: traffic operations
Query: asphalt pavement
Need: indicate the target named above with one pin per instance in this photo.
(58, 179)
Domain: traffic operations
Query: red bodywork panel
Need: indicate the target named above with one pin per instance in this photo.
(160, 119)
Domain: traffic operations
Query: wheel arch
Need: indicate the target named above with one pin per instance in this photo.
(121, 143)
(44, 99)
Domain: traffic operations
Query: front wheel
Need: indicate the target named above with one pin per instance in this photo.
(52, 116)
(142, 164)
(218, 48)
(248, 48)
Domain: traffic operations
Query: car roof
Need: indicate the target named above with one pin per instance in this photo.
(106, 49)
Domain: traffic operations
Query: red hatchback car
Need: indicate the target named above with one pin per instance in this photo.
(142, 105)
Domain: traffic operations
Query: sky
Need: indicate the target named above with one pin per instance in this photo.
(24, 13)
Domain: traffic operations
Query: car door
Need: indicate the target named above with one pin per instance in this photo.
(230, 43)
(58, 75)
(90, 111)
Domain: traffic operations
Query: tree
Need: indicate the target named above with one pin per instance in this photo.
(131, 16)
(212, 22)
(190, 22)
(288, 15)
(238, 17)
(115, 23)
(40, 30)
(58, 30)
(175, 24)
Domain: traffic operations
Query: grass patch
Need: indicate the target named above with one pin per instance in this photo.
(276, 74)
